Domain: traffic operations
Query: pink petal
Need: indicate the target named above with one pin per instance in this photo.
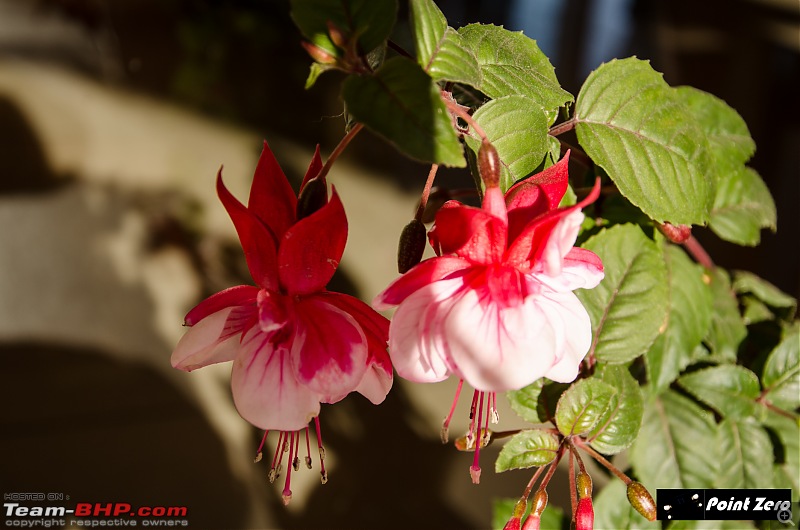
(418, 277)
(257, 241)
(314, 168)
(566, 312)
(311, 249)
(265, 390)
(417, 346)
(329, 348)
(496, 347)
(527, 249)
(471, 233)
(233, 296)
(272, 199)
(538, 194)
(377, 380)
(210, 341)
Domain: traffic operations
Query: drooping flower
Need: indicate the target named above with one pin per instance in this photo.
(293, 343)
(496, 307)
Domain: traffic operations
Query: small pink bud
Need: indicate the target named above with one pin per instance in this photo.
(641, 499)
(318, 54)
(675, 233)
(516, 516)
(535, 518)
(584, 515)
(337, 35)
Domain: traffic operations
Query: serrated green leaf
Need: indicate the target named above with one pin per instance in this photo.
(690, 306)
(612, 510)
(742, 207)
(618, 427)
(745, 455)
(440, 49)
(537, 402)
(754, 310)
(631, 123)
(583, 405)
(787, 465)
(729, 389)
(674, 448)
(727, 328)
(781, 375)
(517, 127)
(402, 104)
(511, 64)
(370, 21)
(630, 304)
(728, 137)
(530, 448)
(747, 282)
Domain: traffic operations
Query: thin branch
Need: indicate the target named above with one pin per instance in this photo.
(423, 200)
(600, 458)
(561, 128)
(458, 110)
(397, 48)
(339, 149)
(697, 251)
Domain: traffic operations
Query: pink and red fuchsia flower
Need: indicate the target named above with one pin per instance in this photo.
(293, 343)
(496, 307)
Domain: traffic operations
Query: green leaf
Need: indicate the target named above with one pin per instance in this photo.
(728, 137)
(690, 306)
(530, 448)
(517, 127)
(612, 510)
(745, 455)
(511, 64)
(583, 405)
(440, 49)
(747, 282)
(630, 304)
(781, 375)
(618, 427)
(727, 328)
(631, 123)
(729, 389)
(754, 310)
(674, 448)
(402, 104)
(370, 21)
(537, 402)
(742, 207)
(787, 465)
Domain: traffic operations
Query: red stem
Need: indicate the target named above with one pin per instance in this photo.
(600, 458)
(456, 109)
(697, 251)
(345, 141)
(561, 128)
(423, 200)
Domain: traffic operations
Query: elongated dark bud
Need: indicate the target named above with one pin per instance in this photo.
(641, 499)
(675, 233)
(411, 246)
(313, 196)
(489, 164)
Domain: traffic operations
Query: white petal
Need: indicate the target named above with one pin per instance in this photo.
(265, 390)
(577, 331)
(416, 345)
(561, 240)
(499, 348)
(376, 384)
(205, 343)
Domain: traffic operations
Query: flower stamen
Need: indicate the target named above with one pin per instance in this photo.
(444, 434)
(322, 472)
(475, 469)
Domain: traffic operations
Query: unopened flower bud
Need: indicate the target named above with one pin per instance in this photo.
(584, 515)
(516, 516)
(313, 196)
(584, 485)
(675, 233)
(535, 518)
(641, 499)
(337, 35)
(489, 164)
(411, 246)
(318, 54)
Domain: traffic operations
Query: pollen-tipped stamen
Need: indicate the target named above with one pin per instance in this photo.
(323, 474)
(475, 469)
(287, 490)
(275, 468)
(259, 451)
(308, 450)
(445, 432)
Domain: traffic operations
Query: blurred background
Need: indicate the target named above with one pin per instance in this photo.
(114, 118)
